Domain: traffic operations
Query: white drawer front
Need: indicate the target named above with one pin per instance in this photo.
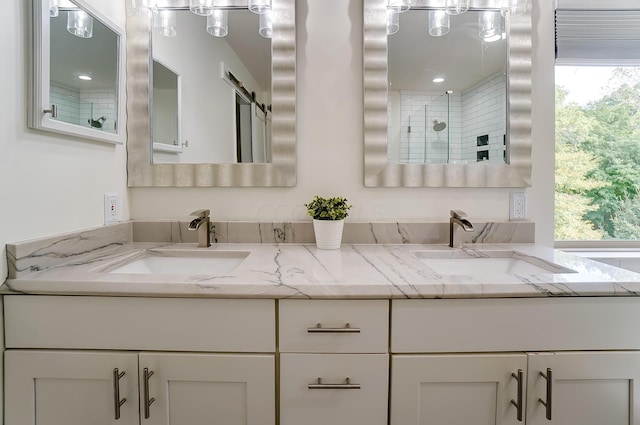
(345, 326)
(128, 323)
(525, 324)
(362, 401)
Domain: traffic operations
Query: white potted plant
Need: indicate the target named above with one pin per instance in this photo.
(328, 220)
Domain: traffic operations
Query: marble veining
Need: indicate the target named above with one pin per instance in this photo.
(355, 271)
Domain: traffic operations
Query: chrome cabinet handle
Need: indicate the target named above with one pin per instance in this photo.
(346, 329)
(117, 403)
(547, 404)
(520, 378)
(146, 374)
(346, 386)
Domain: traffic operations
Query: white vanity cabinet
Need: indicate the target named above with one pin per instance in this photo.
(69, 387)
(224, 370)
(595, 385)
(334, 362)
(458, 389)
(587, 388)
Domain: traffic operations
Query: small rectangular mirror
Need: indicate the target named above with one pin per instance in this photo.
(166, 112)
(77, 71)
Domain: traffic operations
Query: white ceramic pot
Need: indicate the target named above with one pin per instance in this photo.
(328, 233)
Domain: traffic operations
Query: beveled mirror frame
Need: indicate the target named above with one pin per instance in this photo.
(280, 172)
(379, 172)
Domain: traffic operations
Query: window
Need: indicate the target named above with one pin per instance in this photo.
(597, 126)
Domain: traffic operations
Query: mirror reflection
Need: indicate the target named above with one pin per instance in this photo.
(223, 108)
(447, 87)
(166, 109)
(83, 69)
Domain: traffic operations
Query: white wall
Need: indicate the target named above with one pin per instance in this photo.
(49, 183)
(330, 135)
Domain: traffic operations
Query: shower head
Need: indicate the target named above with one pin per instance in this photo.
(439, 125)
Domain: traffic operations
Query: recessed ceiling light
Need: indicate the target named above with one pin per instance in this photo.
(85, 77)
(438, 80)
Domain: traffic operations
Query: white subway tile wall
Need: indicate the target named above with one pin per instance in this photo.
(483, 109)
(78, 107)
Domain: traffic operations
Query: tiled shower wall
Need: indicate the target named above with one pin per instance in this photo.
(484, 112)
(75, 106)
(476, 112)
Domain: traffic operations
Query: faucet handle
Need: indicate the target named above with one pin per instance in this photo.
(201, 213)
(458, 214)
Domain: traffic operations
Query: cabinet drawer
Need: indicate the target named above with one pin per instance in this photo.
(362, 401)
(334, 326)
(526, 324)
(128, 323)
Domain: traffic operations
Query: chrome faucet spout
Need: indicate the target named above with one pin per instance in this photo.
(458, 217)
(201, 224)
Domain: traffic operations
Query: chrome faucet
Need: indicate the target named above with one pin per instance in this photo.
(201, 225)
(458, 217)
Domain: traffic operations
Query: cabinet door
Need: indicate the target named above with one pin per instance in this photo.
(206, 389)
(70, 388)
(334, 400)
(585, 388)
(456, 389)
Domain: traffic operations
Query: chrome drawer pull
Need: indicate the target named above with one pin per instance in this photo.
(346, 386)
(519, 404)
(117, 375)
(346, 329)
(547, 404)
(146, 373)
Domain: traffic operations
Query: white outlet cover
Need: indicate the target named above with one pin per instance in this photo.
(517, 206)
(111, 208)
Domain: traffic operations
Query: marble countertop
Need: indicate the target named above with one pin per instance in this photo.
(356, 271)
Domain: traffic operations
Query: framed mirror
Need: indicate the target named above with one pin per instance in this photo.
(237, 125)
(451, 110)
(77, 72)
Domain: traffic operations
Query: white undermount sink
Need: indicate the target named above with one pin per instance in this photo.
(183, 262)
(458, 262)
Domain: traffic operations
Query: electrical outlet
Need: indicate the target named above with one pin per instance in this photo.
(111, 208)
(517, 206)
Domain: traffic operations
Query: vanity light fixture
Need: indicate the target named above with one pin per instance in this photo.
(438, 22)
(53, 8)
(80, 23)
(490, 23)
(164, 23)
(201, 7)
(260, 6)
(393, 22)
(266, 26)
(218, 23)
(85, 77)
(456, 7)
(399, 6)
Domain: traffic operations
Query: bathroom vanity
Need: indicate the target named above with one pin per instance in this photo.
(365, 334)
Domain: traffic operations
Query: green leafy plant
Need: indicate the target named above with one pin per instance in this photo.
(328, 208)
